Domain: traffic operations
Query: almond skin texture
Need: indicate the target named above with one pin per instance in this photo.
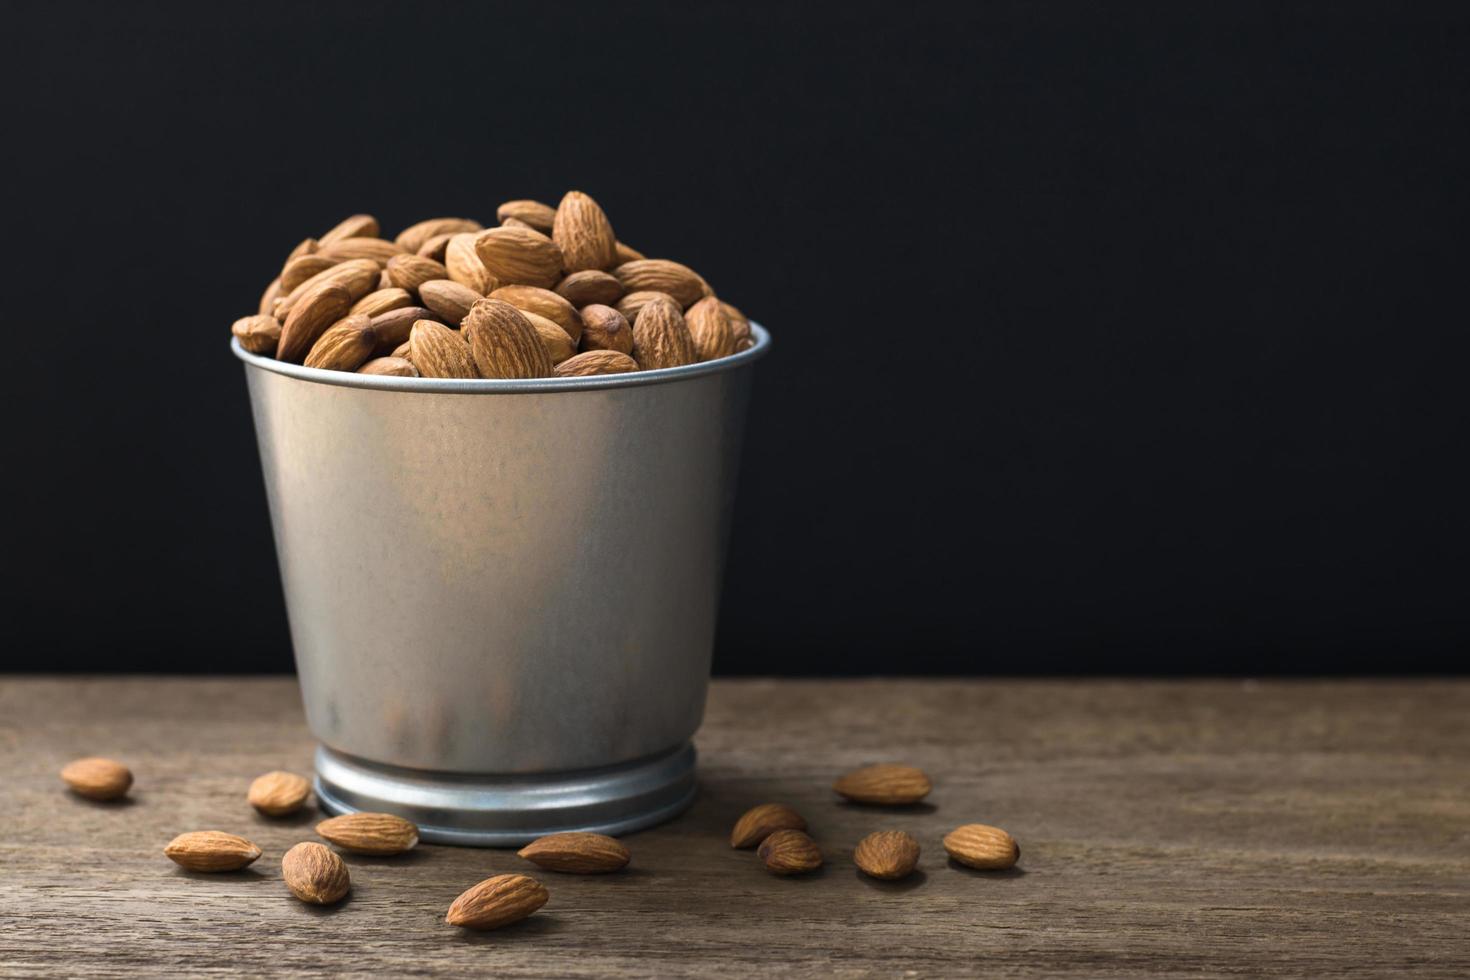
(543, 302)
(713, 336)
(739, 323)
(577, 853)
(887, 854)
(503, 342)
(438, 352)
(390, 367)
(308, 246)
(661, 338)
(884, 785)
(412, 238)
(358, 276)
(760, 822)
(315, 874)
(449, 300)
(604, 328)
(357, 226)
(497, 902)
(541, 217)
(346, 346)
(633, 303)
(382, 301)
(258, 334)
(590, 286)
(435, 247)
(370, 833)
(593, 362)
(404, 351)
(516, 256)
(627, 253)
(583, 233)
(983, 847)
(790, 852)
(97, 778)
(393, 327)
(361, 248)
(412, 271)
(211, 851)
(661, 275)
(303, 267)
(317, 310)
(464, 265)
(278, 794)
(558, 345)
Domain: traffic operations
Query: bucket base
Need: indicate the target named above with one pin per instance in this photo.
(489, 811)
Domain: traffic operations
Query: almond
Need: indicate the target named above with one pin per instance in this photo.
(412, 238)
(516, 223)
(884, 784)
(760, 822)
(661, 338)
(211, 850)
(577, 853)
(633, 303)
(308, 246)
(713, 336)
(503, 342)
(554, 307)
(983, 847)
(744, 343)
(438, 352)
(302, 268)
(739, 323)
(412, 271)
(345, 346)
(593, 362)
(258, 334)
(403, 350)
(664, 276)
(376, 249)
(590, 286)
(516, 256)
(370, 833)
(790, 852)
(449, 300)
(887, 854)
(381, 301)
(497, 902)
(357, 226)
(390, 367)
(541, 217)
(604, 328)
(315, 874)
(627, 253)
(269, 298)
(435, 247)
(558, 345)
(97, 778)
(392, 328)
(358, 276)
(583, 233)
(278, 794)
(314, 312)
(464, 265)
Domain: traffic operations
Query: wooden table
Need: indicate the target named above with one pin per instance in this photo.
(1214, 828)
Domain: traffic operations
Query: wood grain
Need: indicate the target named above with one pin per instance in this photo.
(1167, 828)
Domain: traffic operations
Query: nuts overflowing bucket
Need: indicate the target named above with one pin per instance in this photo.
(500, 500)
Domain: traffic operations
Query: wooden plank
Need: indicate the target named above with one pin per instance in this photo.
(1217, 828)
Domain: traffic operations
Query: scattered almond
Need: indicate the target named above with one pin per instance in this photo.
(97, 778)
(983, 847)
(884, 784)
(370, 833)
(790, 852)
(315, 874)
(277, 794)
(760, 822)
(497, 902)
(577, 853)
(887, 854)
(211, 851)
(593, 362)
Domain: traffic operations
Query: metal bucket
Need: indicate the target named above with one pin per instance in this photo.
(502, 594)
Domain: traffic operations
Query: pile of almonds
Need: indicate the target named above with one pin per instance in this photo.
(549, 292)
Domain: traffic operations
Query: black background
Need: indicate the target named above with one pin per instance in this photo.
(1117, 338)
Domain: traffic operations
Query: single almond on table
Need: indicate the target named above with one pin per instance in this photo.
(790, 852)
(211, 851)
(357, 226)
(664, 276)
(370, 833)
(887, 854)
(558, 345)
(590, 286)
(583, 233)
(713, 336)
(577, 853)
(315, 874)
(518, 256)
(884, 784)
(503, 342)
(541, 217)
(390, 367)
(381, 301)
(97, 778)
(277, 794)
(464, 265)
(438, 352)
(345, 346)
(412, 238)
(604, 328)
(760, 822)
(981, 846)
(661, 337)
(497, 902)
(593, 362)
(449, 300)
(543, 302)
(258, 334)
(361, 248)
(412, 271)
(392, 328)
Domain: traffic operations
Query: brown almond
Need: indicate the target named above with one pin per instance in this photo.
(376, 249)
(790, 852)
(980, 846)
(604, 328)
(390, 367)
(258, 334)
(97, 778)
(631, 304)
(516, 223)
(357, 226)
(269, 298)
(403, 350)
(884, 784)
(544, 302)
(577, 853)
(503, 342)
(558, 345)
(627, 253)
(345, 346)
(308, 246)
(744, 343)
(534, 214)
(661, 338)
(358, 276)
(593, 362)
(279, 793)
(211, 851)
(664, 276)
(887, 854)
(590, 286)
(714, 338)
(464, 265)
(435, 247)
(449, 300)
(314, 312)
(760, 822)
(370, 833)
(739, 323)
(392, 328)
(517, 256)
(412, 238)
(439, 352)
(315, 874)
(381, 301)
(497, 902)
(412, 271)
(583, 233)
(302, 268)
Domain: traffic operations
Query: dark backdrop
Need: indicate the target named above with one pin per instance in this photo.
(1107, 340)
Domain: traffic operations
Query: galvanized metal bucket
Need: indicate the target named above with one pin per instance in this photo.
(502, 594)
